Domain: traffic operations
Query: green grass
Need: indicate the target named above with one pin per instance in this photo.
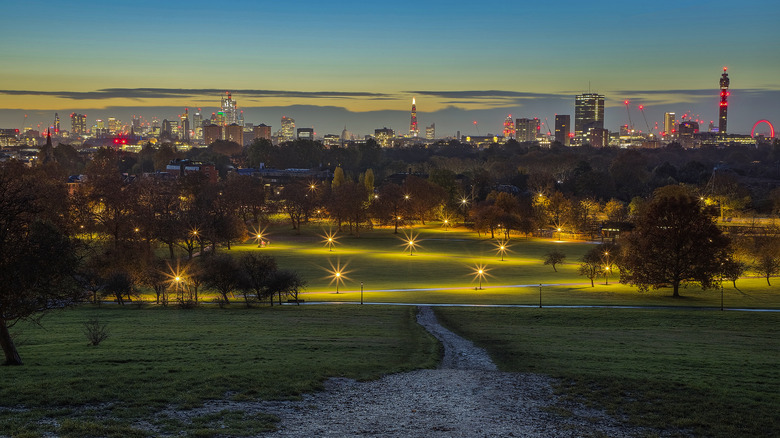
(442, 271)
(708, 372)
(160, 357)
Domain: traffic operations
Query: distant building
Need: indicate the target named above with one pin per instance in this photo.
(384, 136)
(430, 132)
(526, 129)
(509, 127)
(179, 168)
(78, 124)
(305, 134)
(562, 128)
(234, 132)
(212, 133)
(670, 129)
(262, 131)
(331, 140)
(287, 132)
(588, 115)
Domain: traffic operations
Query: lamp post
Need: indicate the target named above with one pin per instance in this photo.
(463, 203)
(540, 295)
(338, 278)
(361, 293)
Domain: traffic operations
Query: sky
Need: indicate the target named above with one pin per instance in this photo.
(359, 63)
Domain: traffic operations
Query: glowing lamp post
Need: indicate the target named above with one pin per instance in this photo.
(338, 274)
(463, 204)
(559, 233)
(329, 239)
(502, 247)
(480, 272)
(410, 242)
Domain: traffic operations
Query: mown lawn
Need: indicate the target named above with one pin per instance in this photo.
(706, 372)
(181, 357)
(442, 270)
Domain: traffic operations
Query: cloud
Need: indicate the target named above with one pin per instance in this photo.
(166, 93)
(487, 94)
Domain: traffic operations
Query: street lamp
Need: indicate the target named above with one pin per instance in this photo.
(502, 246)
(329, 239)
(480, 272)
(338, 274)
(463, 204)
(410, 241)
(559, 233)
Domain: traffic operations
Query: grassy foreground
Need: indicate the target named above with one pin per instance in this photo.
(158, 358)
(711, 373)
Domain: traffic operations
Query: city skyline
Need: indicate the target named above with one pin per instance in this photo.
(361, 65)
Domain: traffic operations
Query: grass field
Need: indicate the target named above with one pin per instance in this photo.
(442, 270)
(160, 357)
(707, 372)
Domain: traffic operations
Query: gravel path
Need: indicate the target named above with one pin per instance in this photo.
(465, 397)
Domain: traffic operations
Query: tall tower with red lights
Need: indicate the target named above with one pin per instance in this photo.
(724, 104)
(413, 130)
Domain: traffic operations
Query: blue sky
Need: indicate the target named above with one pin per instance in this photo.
(463, 61)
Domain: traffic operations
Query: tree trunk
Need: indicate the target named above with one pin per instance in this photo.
(767, 279)
(11, 355)
(591, 282)
(170, 251)
(676, 288)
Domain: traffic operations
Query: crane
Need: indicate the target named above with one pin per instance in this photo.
(642, 110)
(630, 123)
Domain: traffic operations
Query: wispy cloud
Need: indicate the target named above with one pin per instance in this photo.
(167, 93)
(487, 94)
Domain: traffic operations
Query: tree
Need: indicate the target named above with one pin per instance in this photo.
(37, 258)
(223, 274)
(675, 242)
(257, 273)
(553, 258)
(284, 282)
(590, 265)
(119, 284)
(767, 257)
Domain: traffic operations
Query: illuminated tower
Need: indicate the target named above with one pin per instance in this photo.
(562, 128)
(509, 127)
(229, 108)
(287, 133)
(413, 131)
(185, 125)
(56, 124)
(670, 129)
(588, 113)
(724, 104)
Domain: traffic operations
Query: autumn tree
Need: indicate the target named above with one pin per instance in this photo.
(675, 242)
(223, 274)
(38, 258)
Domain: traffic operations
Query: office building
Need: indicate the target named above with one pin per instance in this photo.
(588, 114)
(430, 132)
(563, 129)
(78, 124)
(305, 134)
(287, 132)
(670, 129)
(526, 129)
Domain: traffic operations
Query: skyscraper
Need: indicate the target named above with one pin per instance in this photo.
(670, 129)
(724, 104)
(413, 131)
(114, 125)
(197, 125)
(229, 109)
(287, 132)
(56, 124)
(185, 125)
(509, 127)
(78, 124)
(562, 128)
(588, 113)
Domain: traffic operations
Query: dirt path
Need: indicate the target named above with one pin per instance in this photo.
(465, 397)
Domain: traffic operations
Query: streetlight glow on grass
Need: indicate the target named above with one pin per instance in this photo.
(480, 273)
(329, 239)
(502, 247)
(410, 242)
(337, 273)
